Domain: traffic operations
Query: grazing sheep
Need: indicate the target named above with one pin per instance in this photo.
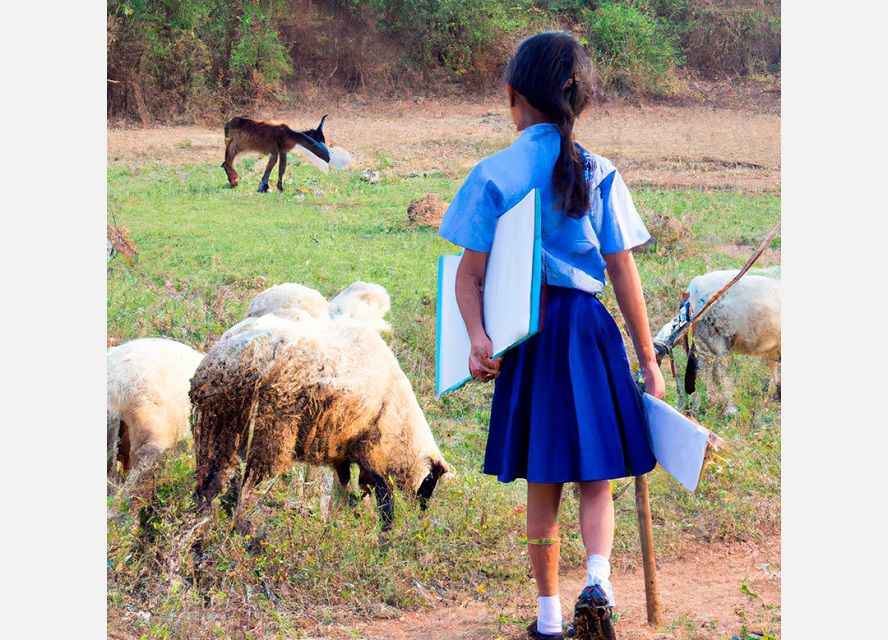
(745, 320)
(148, 405)
(363, 302)
(289, 300)
(323, 391)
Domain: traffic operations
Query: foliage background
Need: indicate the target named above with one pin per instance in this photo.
(190, 60)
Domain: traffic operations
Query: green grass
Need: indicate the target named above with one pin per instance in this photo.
(205, 250)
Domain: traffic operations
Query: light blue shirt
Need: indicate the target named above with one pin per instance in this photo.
(573, 249)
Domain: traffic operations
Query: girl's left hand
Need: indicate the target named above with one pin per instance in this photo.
(654, 383)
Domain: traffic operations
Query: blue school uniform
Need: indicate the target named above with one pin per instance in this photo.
(565, 406)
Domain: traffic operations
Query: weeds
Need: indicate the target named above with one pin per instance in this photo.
(205, 250)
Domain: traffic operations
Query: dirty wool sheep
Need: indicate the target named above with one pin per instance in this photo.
(323, 391)
(148, 405)
(746, 320)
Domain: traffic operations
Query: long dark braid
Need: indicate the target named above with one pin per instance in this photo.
(553, 73)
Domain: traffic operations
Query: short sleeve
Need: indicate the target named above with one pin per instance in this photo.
(621, 226)
(470, 220)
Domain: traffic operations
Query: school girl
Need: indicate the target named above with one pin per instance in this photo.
(565, 406)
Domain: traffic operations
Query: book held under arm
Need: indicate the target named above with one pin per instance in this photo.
(511, 295)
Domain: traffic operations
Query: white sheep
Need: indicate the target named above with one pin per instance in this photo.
(745, 320)
(289, 300)
(323, 391)
(363, 302)
(148, 405)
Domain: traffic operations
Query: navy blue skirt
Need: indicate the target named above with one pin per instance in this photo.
(565, 406)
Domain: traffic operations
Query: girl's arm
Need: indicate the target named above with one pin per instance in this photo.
(627, 287)
(469, 297)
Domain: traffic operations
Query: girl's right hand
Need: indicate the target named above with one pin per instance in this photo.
(481, 366)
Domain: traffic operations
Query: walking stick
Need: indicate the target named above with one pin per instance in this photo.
(649, 561)
(642, 499)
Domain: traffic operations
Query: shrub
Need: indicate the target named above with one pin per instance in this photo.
(740, 40)
(633, 52)
(178, 58)
(465, 37)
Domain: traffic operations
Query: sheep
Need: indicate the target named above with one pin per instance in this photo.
(745, 320)
(363, 302)
(289, 300)
(148, 404)
(325, 391)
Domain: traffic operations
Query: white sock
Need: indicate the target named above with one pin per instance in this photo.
(598, 571)
(549, 614)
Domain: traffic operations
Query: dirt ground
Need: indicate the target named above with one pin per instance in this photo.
(652, 145)
(700, 593)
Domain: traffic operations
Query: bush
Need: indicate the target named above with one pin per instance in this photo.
(634, 53)
(180, 58)
(732, 41)
(467, 38)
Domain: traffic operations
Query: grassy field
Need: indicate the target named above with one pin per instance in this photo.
(205, 250)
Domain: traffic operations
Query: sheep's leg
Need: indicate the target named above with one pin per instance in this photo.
(326, 497)
(138, 480)
(114, 446)
(272, 160)
(774, 384)
(282, 166)
(723, 385)
(384, 503)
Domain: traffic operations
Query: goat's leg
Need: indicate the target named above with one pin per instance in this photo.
(282, 166)
(272, 159)
(228, 163)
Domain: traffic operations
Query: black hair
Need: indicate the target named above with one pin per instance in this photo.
(553, 73)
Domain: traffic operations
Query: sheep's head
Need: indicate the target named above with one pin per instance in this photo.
(363, 302)
(437, 470)
(289, 300)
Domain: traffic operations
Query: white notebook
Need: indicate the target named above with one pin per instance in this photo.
(679, 444)
(511, 295)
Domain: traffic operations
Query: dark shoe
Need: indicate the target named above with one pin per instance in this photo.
(533, 634)
(592, 616)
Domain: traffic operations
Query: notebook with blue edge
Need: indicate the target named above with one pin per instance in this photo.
(512, 288)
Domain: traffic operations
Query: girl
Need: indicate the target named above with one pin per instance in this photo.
(565, 406)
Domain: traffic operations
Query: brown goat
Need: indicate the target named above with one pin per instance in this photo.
(243, 134)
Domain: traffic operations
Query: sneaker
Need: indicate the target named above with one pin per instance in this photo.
(534, 634)
(592, 616)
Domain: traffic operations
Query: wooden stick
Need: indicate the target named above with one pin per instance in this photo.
(646, 533)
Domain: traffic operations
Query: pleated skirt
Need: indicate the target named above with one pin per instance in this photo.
(565, 405)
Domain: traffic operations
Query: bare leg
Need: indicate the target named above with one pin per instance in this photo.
(282, 166)
(272, 159)
(597, 517)
(542, 535)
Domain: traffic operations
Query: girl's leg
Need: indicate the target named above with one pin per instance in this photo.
(543, 547)
(597, 517)
(597, 526)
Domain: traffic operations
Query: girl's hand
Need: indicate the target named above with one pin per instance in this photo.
(654, 383)
(480, 364)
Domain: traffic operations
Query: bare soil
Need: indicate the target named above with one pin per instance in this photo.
(659, 145)
(700, 593)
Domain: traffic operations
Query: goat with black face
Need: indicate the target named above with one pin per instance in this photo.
(243, 134)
